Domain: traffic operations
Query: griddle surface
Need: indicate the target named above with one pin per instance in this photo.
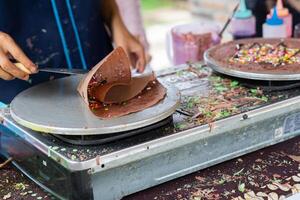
(55, 107)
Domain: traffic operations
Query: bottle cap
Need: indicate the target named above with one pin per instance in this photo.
(281, 11)
(274, 20)
(243, 12)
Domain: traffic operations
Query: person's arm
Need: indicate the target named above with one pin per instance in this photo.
(130, 11)
(270, 4)
(121, 35)
(295, 4)
(8, 70)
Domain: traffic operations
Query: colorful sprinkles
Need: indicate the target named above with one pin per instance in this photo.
(276, 55)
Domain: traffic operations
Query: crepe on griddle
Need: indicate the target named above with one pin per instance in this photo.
(222, 54)
(110, 90)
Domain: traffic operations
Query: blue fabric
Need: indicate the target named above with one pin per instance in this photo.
(2, 105)
(33, 25)
(70, 11)
(61, 34)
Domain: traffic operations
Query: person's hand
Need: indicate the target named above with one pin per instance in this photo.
(134, 49)
(121, 35)
(295, 4)
(9, 70)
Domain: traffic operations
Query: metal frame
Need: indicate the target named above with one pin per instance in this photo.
(160, 145)
(136, 168)
(177, 155)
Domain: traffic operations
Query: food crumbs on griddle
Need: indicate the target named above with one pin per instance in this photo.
(73, 157)
(226, 98)
(55, 148)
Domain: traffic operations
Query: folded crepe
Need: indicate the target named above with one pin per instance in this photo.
(110, 90)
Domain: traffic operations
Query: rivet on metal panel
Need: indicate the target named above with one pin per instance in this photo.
(278, 132)
(58, 159)
(245, 116)
(211, 126)
(98, 160)
(91, 171)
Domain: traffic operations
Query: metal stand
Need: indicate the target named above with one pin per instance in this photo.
(114, 170)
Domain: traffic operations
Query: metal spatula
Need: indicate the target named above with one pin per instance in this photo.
(62, 71)
(147, 71)
(53, 70)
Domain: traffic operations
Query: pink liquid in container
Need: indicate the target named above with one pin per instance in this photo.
(187, 43)
(243, 28)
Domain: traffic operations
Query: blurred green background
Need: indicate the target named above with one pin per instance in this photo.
(155, 4)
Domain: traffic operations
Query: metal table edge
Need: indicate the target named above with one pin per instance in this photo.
(192, 135)
(159, 145)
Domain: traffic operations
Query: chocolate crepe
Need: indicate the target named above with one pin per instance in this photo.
(110, 91)
(221, 54)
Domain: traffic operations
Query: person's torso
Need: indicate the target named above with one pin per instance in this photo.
(54, 33)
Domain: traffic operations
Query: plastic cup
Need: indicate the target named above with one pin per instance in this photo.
(297, 31)
(188, 42)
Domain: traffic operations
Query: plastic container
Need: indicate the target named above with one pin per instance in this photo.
(274, 27)
(284, 14)
(188, 42)
(243, 24)
(297, 31)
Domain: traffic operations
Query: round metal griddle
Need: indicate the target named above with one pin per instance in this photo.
(224, 69)
(56, 107)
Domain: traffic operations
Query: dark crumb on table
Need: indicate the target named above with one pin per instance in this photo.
(15, 186)
(264, 174)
